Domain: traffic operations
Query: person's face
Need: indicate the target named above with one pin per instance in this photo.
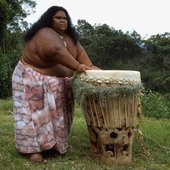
(60, 22)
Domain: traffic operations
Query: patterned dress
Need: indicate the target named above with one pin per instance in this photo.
(43, 110)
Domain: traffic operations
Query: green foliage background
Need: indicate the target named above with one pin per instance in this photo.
(107, 48)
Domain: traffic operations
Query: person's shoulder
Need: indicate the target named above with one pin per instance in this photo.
(68, 38)
(46, 33)
(46, 30)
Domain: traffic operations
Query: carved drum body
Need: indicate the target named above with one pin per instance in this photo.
(110, 100)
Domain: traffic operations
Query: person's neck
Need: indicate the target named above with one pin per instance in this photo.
(61, 33)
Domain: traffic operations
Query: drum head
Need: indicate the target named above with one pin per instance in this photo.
(118, 75)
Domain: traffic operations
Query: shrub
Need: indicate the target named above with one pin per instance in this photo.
(7, 65)
(5, 76)
(155, 105)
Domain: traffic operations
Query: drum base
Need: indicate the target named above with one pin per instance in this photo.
(111, 127)
(112, 160)
(111, 146)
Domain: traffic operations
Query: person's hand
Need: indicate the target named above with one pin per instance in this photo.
(83, 67)
(95, 68)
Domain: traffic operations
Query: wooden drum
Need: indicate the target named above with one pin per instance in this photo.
(110, 100)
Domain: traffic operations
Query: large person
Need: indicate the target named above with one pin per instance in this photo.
(42, 94)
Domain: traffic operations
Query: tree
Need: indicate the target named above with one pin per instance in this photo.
(106, 46)
(12, 14)
(12, 26)
(158, 74)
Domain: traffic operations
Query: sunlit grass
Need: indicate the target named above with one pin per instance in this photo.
(151, 153)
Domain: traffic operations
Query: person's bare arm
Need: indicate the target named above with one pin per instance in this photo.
(50, 47)
(83, 58)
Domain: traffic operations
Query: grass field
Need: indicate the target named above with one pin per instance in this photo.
(151, 152)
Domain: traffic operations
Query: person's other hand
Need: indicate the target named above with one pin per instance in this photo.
(95, 68)
(83, 67)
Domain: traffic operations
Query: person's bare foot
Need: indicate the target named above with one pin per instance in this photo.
(35, 157)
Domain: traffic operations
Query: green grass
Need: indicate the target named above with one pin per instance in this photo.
(150, 153)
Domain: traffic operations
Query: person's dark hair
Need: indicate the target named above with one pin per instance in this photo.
(46, 20)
